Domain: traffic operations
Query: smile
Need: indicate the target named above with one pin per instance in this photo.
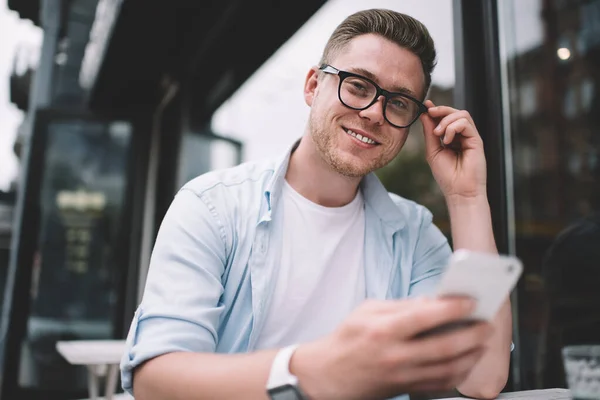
(360, 137)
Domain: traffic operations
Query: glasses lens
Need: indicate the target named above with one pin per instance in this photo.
(356, 92)
(359, 93)
(401, 111)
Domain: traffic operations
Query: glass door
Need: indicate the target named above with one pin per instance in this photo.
(73, 256)
(551, 58)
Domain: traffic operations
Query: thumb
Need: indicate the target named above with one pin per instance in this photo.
(432, 142)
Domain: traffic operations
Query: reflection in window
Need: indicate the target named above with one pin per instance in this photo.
(528, 98)
(587, 94)
(7, 201)
(569, 105)
(204, 151)
(76, 275)
(557, 198)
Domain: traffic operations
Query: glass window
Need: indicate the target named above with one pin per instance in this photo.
(555, 46)
(76, 276)
(6, 219)
(527, 98)
(204, 151)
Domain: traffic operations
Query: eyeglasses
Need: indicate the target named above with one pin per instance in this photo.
(359, 93)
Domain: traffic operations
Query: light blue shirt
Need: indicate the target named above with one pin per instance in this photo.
(214, 264)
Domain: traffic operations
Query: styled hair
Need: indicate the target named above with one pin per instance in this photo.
(399, 28)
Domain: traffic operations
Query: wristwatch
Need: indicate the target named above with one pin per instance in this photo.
(282, 385)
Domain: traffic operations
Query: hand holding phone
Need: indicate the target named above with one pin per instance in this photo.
(485, 277)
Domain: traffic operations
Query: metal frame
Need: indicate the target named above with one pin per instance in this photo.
(135, 203)
(479, 89)
(158, 176)
(19, 275)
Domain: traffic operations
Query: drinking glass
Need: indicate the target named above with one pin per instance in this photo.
(582, 370)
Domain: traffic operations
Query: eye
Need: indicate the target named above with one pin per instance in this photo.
(359, 85)
(398, 103)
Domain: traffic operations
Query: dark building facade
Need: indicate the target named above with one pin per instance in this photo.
(119, 116)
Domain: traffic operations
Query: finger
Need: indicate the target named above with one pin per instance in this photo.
(443, 111)
(390, 307)
(432, 142)
(457, 127)
(450, 345)
(421, 316)
(448, 119)
(394, 308)
(429, 104)
(429, 123)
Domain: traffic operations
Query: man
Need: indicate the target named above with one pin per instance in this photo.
(304, 278)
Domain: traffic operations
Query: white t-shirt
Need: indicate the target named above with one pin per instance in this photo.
(321, 277)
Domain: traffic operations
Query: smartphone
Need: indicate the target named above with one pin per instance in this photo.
(487, 278)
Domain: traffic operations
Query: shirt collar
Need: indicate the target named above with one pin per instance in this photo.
(378, 198)
(375, 194)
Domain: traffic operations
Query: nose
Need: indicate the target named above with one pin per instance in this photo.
(374, 113)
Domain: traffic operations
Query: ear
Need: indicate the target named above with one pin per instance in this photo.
(310, 86)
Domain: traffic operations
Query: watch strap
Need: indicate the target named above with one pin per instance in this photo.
(280, 369)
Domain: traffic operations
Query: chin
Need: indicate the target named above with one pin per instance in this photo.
(350, 165)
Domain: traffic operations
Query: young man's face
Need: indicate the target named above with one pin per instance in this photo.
(392, 68)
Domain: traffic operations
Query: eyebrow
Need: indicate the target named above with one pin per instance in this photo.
(371, 76)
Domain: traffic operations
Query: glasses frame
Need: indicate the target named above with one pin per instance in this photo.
(378, 92)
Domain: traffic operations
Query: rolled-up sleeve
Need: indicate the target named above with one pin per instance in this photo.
(180, 308)
(431, 256)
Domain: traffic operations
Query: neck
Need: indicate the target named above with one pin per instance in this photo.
(314, 179)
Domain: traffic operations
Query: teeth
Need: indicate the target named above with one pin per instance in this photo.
(360, 137)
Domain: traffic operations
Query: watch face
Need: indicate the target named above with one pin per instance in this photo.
(285, 392)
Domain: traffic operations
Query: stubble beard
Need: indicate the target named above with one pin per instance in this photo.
(327, 148)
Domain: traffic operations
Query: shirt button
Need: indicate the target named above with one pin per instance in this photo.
(263, 243)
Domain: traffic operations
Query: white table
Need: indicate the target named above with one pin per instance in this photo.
(543, 394)
(101, 357)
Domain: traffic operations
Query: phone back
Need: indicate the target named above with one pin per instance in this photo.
(488, 278)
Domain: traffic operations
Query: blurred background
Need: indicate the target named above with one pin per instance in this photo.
(107, 107)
